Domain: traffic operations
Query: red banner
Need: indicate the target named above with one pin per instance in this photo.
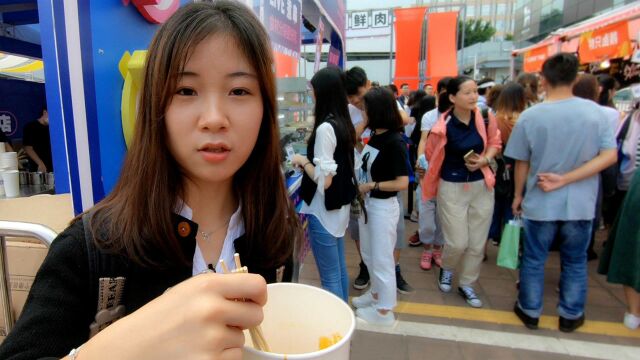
(408, 27)
(609, 42)
(442, 53)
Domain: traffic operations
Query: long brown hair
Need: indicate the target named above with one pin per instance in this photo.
(135, 219)
(529, 82)
(511, 102)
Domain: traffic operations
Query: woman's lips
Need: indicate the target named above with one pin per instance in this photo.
(214, 153)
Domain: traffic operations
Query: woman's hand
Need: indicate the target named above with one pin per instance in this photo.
(476, 162)
(200, 318)
(299, 160)
(365, 187)
(420, 171)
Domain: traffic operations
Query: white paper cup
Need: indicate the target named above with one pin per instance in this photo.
(9, 160)
(295, 317)
(11, 183)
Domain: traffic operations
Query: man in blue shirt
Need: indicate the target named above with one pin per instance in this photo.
(560, 146)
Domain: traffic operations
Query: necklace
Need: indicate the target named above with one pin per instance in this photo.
(205, 235)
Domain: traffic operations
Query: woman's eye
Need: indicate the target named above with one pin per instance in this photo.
(239, 92)
(186, 92)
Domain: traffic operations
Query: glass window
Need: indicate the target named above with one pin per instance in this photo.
(471, 11)
(499, 26)
(559, 4)
(486, 10)
(501, 9)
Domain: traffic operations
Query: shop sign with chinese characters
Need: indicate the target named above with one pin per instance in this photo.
(365, 23)
(609, 42)
(282, 20)
(8, 123)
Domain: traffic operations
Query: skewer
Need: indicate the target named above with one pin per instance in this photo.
(236, 258)
(257, 336)
(223, 265)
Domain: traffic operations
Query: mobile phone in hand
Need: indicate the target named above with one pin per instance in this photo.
(469, 154)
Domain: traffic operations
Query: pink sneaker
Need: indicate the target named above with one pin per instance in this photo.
(425, 260)
(437, 257)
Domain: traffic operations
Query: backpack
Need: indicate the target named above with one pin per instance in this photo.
(107, 274)
(493, 164)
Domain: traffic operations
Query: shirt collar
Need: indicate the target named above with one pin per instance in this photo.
(236, 223)
(459, 124)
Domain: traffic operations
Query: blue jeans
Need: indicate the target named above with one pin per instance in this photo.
(574, 239)
(328, 252)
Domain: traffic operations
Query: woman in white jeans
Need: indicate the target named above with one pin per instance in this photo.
(384, 168)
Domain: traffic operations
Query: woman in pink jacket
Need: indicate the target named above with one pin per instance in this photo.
(459, 150)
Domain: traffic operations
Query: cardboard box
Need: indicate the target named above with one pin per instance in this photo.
(25, 255)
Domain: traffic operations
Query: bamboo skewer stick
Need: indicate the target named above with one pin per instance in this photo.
(257, 336)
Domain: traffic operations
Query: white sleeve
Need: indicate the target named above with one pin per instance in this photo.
(355, 114)
(428, 120)
(323, 150)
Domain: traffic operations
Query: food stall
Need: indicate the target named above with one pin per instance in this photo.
(604, 44)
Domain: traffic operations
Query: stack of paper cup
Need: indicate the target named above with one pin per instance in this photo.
(9, 160)
(11, 183)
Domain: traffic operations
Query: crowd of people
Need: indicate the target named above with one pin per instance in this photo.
(476, 154)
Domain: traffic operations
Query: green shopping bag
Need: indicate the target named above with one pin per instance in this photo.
(510, 244)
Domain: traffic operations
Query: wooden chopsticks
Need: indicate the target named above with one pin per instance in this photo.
(257, 336)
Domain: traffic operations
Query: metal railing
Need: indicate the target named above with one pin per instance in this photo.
(17, 229)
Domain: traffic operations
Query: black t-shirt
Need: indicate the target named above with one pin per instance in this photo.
(37, 136)
(391, 161)
(461, 138)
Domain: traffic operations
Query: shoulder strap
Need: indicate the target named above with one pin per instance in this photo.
(485, 117)
(91, 252)
(108, 277)
(622, 134)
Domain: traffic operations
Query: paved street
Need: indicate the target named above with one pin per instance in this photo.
(434, 325)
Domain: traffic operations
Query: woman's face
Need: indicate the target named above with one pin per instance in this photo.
(214, 117)
(467, 96)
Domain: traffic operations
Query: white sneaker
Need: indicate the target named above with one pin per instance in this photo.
(373, 317)
(631, 321)
(470, 296)
(444, 280)
(363, 300)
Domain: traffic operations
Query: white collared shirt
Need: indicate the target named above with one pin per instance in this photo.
(334, 221)
(234, 231)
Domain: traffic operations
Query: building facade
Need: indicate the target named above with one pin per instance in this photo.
(369, 25)
(535, 19)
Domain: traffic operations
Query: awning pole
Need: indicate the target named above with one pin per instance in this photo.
(391, 49)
